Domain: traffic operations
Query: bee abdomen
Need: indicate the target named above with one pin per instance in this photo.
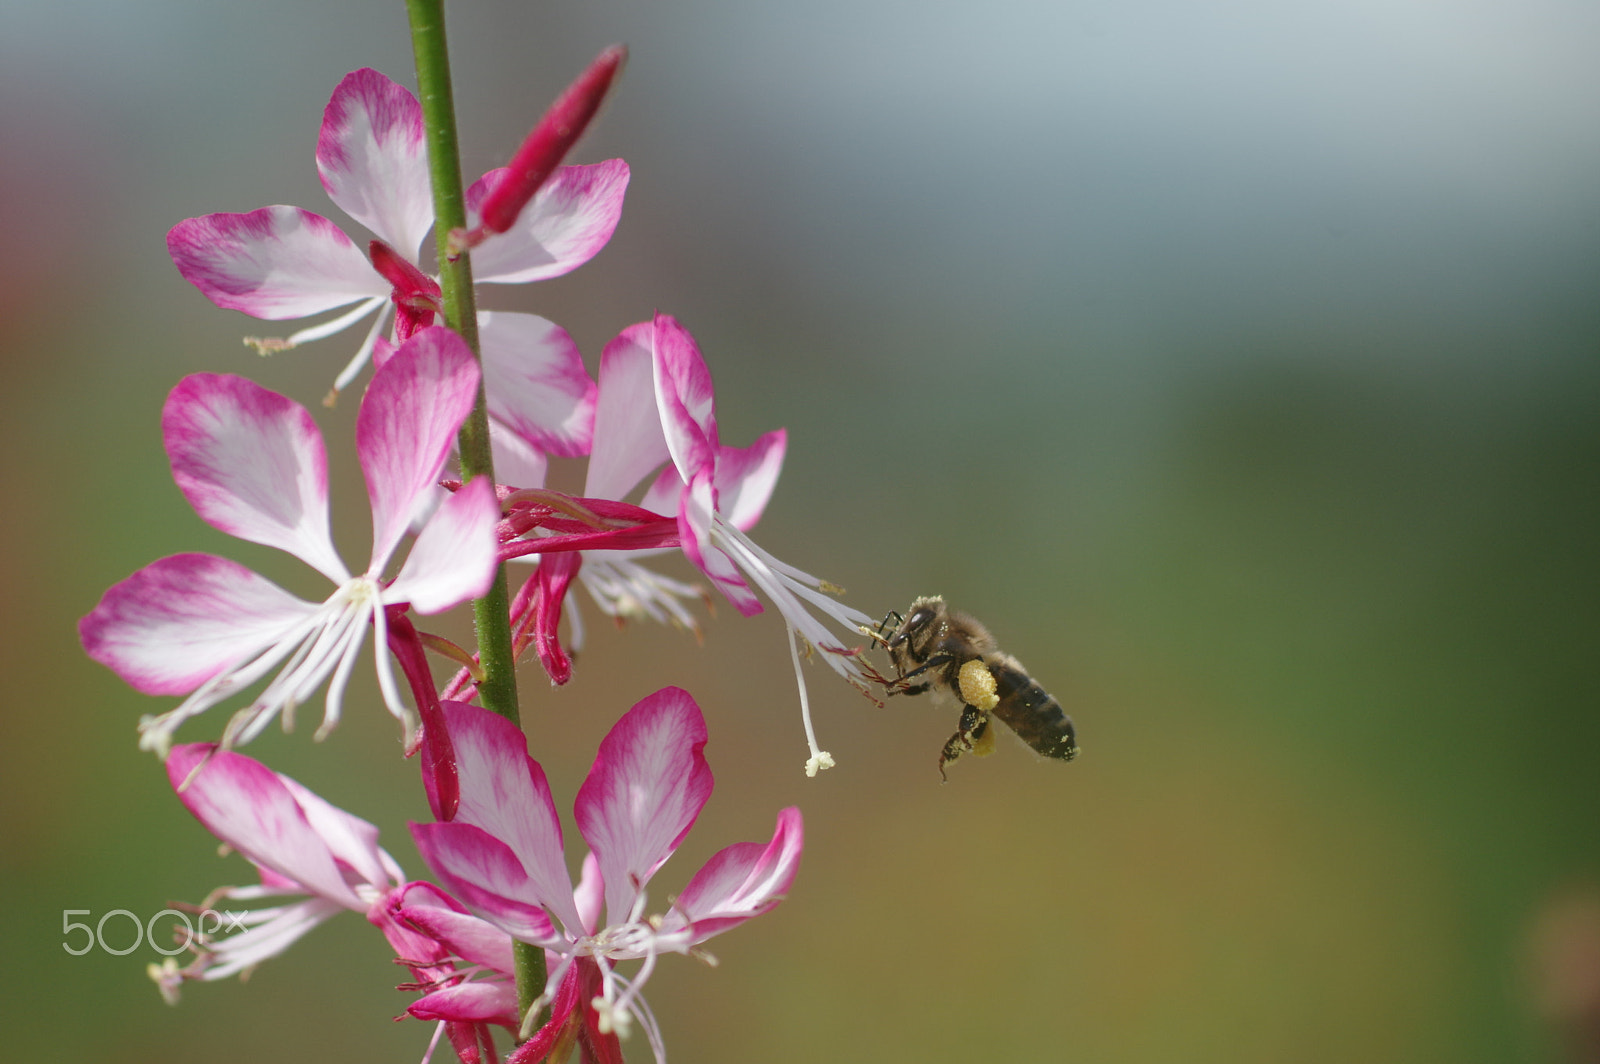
(1029, 711)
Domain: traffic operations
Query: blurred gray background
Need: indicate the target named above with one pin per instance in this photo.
(1235, 362)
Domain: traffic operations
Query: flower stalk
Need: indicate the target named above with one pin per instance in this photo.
(491, 613)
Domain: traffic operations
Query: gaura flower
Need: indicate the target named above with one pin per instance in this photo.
(316, 860)
(303, 847)
(656, 405)
(285, 262)
(502, 855)
(252, 464)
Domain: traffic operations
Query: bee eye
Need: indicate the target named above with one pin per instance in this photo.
(918, 619)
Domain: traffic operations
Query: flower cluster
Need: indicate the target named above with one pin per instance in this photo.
(253, 464)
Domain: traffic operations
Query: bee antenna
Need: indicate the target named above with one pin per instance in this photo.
(884, 624)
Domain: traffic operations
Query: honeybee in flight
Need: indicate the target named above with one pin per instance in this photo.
(950, 654)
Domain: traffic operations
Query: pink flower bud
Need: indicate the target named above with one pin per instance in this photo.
(550, 140)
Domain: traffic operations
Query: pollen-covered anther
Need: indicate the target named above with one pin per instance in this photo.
(168, 978)
(977, 685)
(612, 1018)
(819, 761)
(269, 345)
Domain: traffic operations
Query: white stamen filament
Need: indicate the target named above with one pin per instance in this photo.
(326, 643)
(339, 324)
(433, 1043)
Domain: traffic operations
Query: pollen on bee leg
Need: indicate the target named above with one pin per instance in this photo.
(983, 741)
(977, 685)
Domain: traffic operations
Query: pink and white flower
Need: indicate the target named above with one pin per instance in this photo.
(503, 854)
(315, 861)
(656, 405)
(285, 262)
(304, 849)
(252, 464)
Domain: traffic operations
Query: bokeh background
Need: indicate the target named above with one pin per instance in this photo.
(1236, 362)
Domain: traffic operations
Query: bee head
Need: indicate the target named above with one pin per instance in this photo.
(925, 612)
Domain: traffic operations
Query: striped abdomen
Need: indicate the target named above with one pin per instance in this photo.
(1025, 707)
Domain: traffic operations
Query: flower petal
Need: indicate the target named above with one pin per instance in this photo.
(685, 397)
(373, 159)
(247, 806)
(182, 620)
(628, 441)
(455, 556)
(647, 786)
(536, 382)
(517, 463)
(740, 881)
(474, 940)
(746, 476)
(352, 841)
(567, 223)
(480, 1001)
(276, 262)
(504, 792)
(696, 518)
(407, 425)
(251, 463)
(483, 872)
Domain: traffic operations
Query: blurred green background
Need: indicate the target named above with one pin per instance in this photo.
(1236, 363)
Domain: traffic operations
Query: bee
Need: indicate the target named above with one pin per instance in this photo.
(946, 652)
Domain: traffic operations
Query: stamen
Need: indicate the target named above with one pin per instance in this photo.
(364, 352)
(433, 1043)
(820, 758)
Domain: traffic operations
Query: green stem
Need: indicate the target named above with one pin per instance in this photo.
(491, 613)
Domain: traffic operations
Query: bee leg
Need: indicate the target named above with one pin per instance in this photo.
(932, 663)
(974, 723)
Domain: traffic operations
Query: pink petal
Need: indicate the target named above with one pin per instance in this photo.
(567, 223)
(628, 441)
(407, 425)
(696, 516)
(504, 792)
(741, 881)
(536, 382)
(517, 463)
(590, 893)
(746, 477)
(685, 398)
(374, 161)
(483, 872)
(275, 263)
(251, 463)
(456, 554)
(182, 620)
(481, 1001)
(350, 840)
(664, 493)
(389, 915)
(474, 940)
(246, 805)
(648, 784)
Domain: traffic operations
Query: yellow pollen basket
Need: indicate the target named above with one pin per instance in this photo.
(977, 685)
